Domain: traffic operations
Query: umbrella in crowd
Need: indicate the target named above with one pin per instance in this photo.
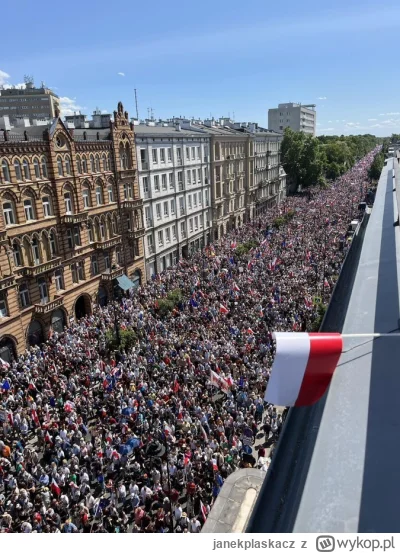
(142, 441)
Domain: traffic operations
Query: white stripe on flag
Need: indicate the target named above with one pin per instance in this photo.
(288, 368)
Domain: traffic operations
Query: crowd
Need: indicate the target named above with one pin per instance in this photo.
(142, 440)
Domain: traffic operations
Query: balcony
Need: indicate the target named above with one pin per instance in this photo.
(42, 308)
(42, 268)
(127, 174)
(131, 204)
(74, 218)
(111, 274)
(3, 237)
(7, 282)
(138, 233)
(106, 244)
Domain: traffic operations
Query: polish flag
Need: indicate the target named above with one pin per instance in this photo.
(235, 287)
(55, 488)
(326, 284)
(308, 302)
(214, 464)
(222, 309)
(303, 367)
(233, 245)
(203, 510)
(4, 364)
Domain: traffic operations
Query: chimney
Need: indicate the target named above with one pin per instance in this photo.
(177, 126)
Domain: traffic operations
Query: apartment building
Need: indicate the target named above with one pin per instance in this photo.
(299, 117)
(71, 226)
(174, 176)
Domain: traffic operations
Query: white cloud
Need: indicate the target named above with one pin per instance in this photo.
(4, 77)
(69, 106)
(121, 74)
(322, 98)
(372, 119)
(328, 129)
(329, 121)
(393, 113)
(382, 114)
(105, 111)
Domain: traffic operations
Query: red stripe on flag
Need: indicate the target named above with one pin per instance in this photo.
(325, 351)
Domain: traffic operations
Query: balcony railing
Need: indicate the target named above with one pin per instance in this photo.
(114, 241)
(126, 173)
(131, 204)
(42, 268)
(74, 218)
(49, 306)
(111, 274)
(7, 282)
(138, 233)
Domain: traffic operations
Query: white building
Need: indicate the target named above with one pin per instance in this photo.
(299, 117)
(174, 180)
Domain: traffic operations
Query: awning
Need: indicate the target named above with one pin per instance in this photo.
(124, 282)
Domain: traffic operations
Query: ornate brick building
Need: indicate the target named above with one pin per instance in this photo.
(71, 225)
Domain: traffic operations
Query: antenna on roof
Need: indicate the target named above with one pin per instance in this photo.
(137, 111)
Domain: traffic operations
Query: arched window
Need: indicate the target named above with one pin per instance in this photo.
(122, 157)
(47, 206)
(52, 243)
(99, 195)
(102, 229)
(109, 162)
(68, 202)
(35, 251)
(29, 209)
(17, 254)
(90, 233)
(59, 279)
(97, 164)
(60, 167)
(68, 165)
(128, 157)
(36, 167)
(9, 213)
(79, 164)
(114, 226)
(44, 167)
(27, 172)
(86, 197)
(84, 164)
(105, 167)
(92, 168)
(24, 295)
(110, 193)
(17, 168)
(5, 170)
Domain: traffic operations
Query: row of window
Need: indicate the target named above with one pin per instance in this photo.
(163, 155)
(166, 180)
(168, 234)
(168, 208)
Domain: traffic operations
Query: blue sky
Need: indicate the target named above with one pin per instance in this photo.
(213, 57)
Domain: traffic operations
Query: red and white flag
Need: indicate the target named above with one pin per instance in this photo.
(222, 309)
(326, 284)
(219, 382)
(203, 510)
(303, 367)
(4, 364)
(235, 287)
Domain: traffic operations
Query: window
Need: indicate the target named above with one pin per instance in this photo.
(17, 254)
(143, 158)
(114, 226)
(119, 256)
(128, 222)
(162, 155)
(183, 233)
(110, 193)
(150, 243)
(107, 263)
(102, 230)
(24, 295)
(52, 244)
(187, 154)
(164, 181)
(43, 291)
(145, 182)
(180, 180)
(60, 167)
(200, 198)
(157, 183)
(68, 203)
(169, 154)
(167, 235)
(36, 168)
(99, 195)
(35, 251)
(158, 211)
(188, 177)
(81, 270)
(172, 207)
(160, 238)
(5, 170)
(201, 220)
(27, 172)
(90, 233)
(128, 193)
(3, 305)
(189, 201)
(86, 197)
(109, 162)
(154, 155)
(74, 273)
(67, 165)
(207, 197)
(79, 164)
(191, 225)
(179, 155)
(70, 239)
(9, 214)
(59, 280)
(181, 206)
(92, 168)
(174, 232)
(193, 176)
(196, 223)
(97, 162)
(198, 152)
(77, 236)
(194, 200)
(166, 209)
(171, 180)
(94, 265)
(17, 168)
(28, 208)
(147, 215)
(105, 164)
(84, 164)
(199, 176)
(193, 152)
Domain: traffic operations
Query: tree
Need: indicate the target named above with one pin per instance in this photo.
(375, 170)
(302, 158)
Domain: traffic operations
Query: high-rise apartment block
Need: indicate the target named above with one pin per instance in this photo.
(299, 117)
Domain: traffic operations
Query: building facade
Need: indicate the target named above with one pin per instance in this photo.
(29, 103)
(174, 176)
(298, 117)
(71, 225)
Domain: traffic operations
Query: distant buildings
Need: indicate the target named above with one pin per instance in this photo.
(298, 117)
(28, 103)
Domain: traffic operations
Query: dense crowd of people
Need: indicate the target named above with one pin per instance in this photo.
(142, 440)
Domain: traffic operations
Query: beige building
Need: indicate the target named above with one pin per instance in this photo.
(299, 117)
(71, 226)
